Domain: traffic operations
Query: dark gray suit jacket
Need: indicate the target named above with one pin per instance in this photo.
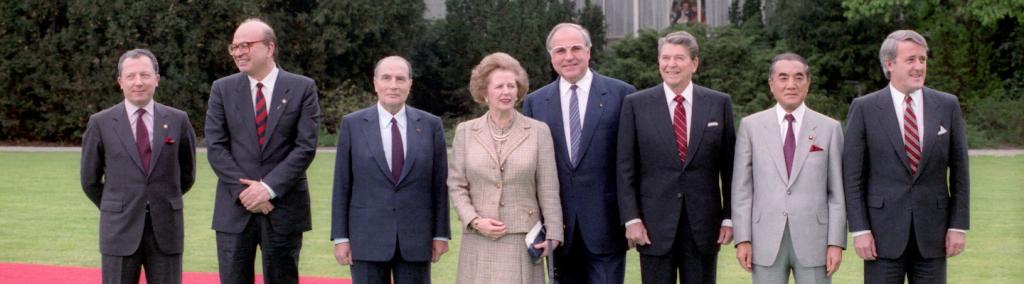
(883, 197)
(652, 180)
(113, 179)
(378, 215)
(588, 191)
(281, 163)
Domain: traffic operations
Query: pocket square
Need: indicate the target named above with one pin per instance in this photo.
(713, 124)
(942, 130)
(815, 148)
(168, 140)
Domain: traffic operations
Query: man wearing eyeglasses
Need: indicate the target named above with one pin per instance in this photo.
(138, 159)
(581, 108)
(261, 134)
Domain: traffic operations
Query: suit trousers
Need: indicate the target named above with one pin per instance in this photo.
(692, 266)
(579, 265)
(159, 267)
(381, 272)
(910, 266)
(787, 261)
(237, 252)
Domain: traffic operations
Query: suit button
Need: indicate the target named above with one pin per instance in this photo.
(789, 192)
(502, 204)
(498, 185)
(785, 214)
(679, 195)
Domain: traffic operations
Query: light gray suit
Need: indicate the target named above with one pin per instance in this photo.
(810, 200)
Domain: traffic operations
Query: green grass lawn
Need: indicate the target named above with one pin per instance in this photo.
(45, 218)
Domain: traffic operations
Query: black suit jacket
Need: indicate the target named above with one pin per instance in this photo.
(378, 215)
(587, 191)
(883, 197)
(234, 152)
(113, 179)
(652, 179)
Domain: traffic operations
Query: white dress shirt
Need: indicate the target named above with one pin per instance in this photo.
(582, 96)
(147, 119)
(268, 94)
(798, 118)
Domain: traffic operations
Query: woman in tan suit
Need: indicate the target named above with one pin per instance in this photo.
(502, 179)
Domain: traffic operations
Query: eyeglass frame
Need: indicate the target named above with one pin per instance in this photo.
(566, 49)
(247, 46)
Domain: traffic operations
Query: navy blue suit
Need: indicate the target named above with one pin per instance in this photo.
(386, 220)
(588, 191)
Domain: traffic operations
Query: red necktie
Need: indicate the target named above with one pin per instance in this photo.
(789, 147)
(261, 114)
(397, 154)
(911, 140)
(679, 125)
(142, 139)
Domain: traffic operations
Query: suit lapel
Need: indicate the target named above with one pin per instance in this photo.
(773, 140)
(698, 122)
(931, 127)
(553, 103)
(279, 100)
(803, 144)
(414, 138)
(891, 125)
(481, 136)
(244, 107)
(159, 132)
(371, 134)
(661, 122)
(123, 128)
(595, 112)
(518, 134)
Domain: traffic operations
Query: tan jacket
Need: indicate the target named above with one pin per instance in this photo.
(517, 188)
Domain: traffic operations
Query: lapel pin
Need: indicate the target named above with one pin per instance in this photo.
(284, 101)
(165, 126)
(810, 137)
(601, 105)
(418, 130)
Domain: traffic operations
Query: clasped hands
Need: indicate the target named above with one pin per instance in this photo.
(255, 197)
(494, 229)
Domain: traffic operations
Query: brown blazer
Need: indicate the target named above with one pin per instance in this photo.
(529, 189)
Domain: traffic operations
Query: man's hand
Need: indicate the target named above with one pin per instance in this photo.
(343, 253)
(955, 243)
(636, 235)
(745, 255)
(440, 247)
(543, 247)
(865, 246)
(253, 195)
(490, 228)
(725, 235)
(263, 208)
(833, 256)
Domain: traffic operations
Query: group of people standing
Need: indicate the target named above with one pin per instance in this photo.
(600, 166)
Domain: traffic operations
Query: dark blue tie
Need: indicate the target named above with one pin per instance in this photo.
(575, 127)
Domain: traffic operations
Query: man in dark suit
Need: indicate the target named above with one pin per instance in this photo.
(390, 207)
(138, 159)
(905, 170)
(675, 157)
(261, 131)
(582, 109)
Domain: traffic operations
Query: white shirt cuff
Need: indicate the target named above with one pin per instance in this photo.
(958, 230)
(860, 233)
(727, 223)
(441, 239)
(340, 240)
(631, 222)
(271, 191)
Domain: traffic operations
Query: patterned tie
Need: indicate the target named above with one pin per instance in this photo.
(397, 154)
(911, 139)
(142, 139)
(789, 147)
(574, 126)
(261, 114)
(679, 125)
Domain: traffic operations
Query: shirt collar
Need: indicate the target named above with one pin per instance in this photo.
(385, 116)
(798, 113)
(583, 84)
(900, 97)
(268, 82)
(687, 93)
(131, 108)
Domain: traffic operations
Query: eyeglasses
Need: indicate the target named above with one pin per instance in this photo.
(565, 49)
(243, 47)
(144, 76)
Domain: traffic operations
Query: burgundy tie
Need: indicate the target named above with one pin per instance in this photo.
(789, 147)
(911, 141)
(261, 114)
(142, 139)
(397, 154)
(679, 125)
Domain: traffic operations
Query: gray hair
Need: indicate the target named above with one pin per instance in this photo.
(681, 38)
(376, 67)
(136, 53)
(583, 32)
(792, 57)
(888, 50)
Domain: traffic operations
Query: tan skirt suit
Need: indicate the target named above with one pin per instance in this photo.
(514, 182)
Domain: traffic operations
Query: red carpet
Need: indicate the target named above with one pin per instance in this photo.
(18, 273)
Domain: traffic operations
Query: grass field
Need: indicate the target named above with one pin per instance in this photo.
(45, 218)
